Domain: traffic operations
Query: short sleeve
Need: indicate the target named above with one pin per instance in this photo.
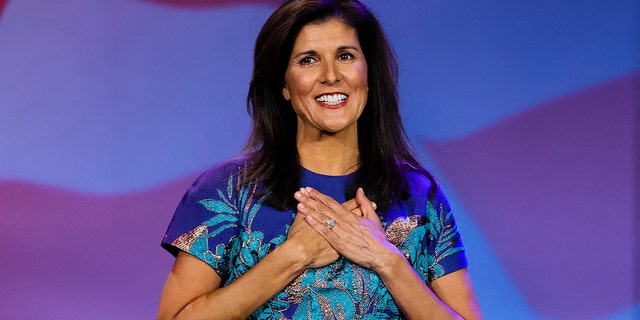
(206, 218)
(433, 245)
(443, 241)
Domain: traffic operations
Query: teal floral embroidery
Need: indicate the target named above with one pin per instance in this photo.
(228, 242)
(341, 290)
(439, 229)
(233, 209)
(236, 207)
(321, 295)
(273, 309)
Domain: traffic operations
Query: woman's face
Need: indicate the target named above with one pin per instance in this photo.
(326, 79)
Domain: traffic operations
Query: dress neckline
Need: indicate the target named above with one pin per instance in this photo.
(308, 172)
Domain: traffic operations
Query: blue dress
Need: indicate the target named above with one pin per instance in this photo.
(222, 221)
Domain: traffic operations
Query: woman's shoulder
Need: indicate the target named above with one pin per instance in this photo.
(418, 179)
(423, 185)
(235, 168)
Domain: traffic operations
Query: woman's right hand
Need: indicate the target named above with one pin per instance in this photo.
(314, 249)
(194, 289)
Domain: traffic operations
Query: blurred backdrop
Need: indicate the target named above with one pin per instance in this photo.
(527, 112)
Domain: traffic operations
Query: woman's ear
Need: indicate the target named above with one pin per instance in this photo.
(286, 94)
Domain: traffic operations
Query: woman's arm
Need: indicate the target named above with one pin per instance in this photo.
(363, 241)
(448, 297)
(456, 291)
(193, 291)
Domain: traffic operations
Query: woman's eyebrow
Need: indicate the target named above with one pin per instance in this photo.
(314, 52)
(306, 53)
(341, 48)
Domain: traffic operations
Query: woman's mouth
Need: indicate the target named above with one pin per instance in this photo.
(332, 99)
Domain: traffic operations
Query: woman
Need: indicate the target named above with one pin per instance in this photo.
(286, 230)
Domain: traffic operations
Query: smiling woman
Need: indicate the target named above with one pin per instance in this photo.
(286, 230)
(326, 83)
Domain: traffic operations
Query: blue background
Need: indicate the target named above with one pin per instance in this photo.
(109, 110)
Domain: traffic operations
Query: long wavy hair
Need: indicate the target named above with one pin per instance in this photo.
(385, 153)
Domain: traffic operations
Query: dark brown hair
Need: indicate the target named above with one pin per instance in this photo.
(384, 151)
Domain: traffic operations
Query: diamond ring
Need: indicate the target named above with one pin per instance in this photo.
(330, 223)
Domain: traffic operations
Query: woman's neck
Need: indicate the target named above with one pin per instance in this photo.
(332, 155)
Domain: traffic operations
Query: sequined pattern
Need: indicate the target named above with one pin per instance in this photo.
(400, 228)
(185, 241)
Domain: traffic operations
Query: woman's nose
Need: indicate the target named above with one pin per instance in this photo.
(330, 74)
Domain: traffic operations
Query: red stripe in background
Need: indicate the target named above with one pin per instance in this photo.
(190, 3)
(97, 245)
(3, 3)
(211, 3)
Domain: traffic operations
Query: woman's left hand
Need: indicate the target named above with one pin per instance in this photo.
(361, 239)
(358, 236)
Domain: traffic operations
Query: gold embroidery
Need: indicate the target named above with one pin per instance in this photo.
(295, 290)
(400, 228)
(185, 241)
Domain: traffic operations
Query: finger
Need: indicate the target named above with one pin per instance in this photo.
(341, 241)
(306, 205)
(319, 196)
(322, 229)
(350, 205)
(334, 208)
(353, 206)
(366, 205)
(358, 212)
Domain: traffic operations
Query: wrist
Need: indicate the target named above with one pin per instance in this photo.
(295, 254)
(386, 263)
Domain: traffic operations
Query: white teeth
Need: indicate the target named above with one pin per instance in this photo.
(332, 99)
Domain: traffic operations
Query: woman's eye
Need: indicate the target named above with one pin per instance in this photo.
(307, 60)
(346, 56)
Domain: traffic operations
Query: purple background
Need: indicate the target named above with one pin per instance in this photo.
(526, 111)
